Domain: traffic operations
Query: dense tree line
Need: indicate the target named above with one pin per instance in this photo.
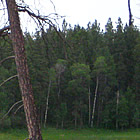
(80, 77)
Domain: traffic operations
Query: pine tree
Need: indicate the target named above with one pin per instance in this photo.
(23, 72)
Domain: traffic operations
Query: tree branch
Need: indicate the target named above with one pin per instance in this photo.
(4, 31)
(11, 109)
(130, 14)
(9, 57)
(18, 108)
(45, 19)
(42, 18)
(8, 80)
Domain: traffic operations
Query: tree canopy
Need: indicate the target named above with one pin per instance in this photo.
(73, 65)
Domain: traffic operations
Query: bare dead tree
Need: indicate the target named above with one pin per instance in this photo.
(23, 72)
(17, 38)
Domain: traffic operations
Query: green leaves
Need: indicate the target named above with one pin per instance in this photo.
(112, 56)
(52, 74)
(100, 65)
(80, 70)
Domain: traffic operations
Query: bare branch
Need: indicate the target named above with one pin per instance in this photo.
(46, 19)
(53, 5)
(4, 30)
(3, 9)
(8, 80)
(2, 2)
(130, 14)
(18, 108)
(137, 17)
(9, 57)
(11, 109)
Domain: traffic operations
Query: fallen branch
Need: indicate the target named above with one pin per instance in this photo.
(11, 109)
(8, 80)
(9, 57)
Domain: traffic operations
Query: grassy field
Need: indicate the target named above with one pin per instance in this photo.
(80, 134)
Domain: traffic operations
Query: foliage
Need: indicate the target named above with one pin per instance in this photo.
(71, 66)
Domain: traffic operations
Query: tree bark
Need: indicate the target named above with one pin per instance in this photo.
(89, 107)
(75, 121)
(23, 72)
(118, 94)
(94, 104)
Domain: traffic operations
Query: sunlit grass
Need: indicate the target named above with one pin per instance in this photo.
(79, 134)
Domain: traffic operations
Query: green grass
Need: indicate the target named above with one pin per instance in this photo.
(80, 134)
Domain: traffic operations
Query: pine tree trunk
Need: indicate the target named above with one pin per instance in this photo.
(89, 107)
(22, 70)
(94, 103)
(62, 124)
(75, 121)
(118, 94)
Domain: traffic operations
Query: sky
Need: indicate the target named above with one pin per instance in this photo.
(82, 11)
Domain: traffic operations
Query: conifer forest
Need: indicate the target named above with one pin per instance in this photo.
(81, 77)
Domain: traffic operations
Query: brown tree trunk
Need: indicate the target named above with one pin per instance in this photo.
(22, 70)
(118, 94)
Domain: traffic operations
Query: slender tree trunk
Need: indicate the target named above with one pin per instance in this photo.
(89, 107)
(59, 85)
(94, 103)
(47, 103)
(62, 124)
(118, 94)
(22, 70)
(98, 114)
(75, 121)
(81, 120)
(65, 52)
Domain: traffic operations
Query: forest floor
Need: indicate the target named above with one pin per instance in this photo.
(78, 134)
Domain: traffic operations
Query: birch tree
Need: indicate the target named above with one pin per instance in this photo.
(99, 70)
(52, 78)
